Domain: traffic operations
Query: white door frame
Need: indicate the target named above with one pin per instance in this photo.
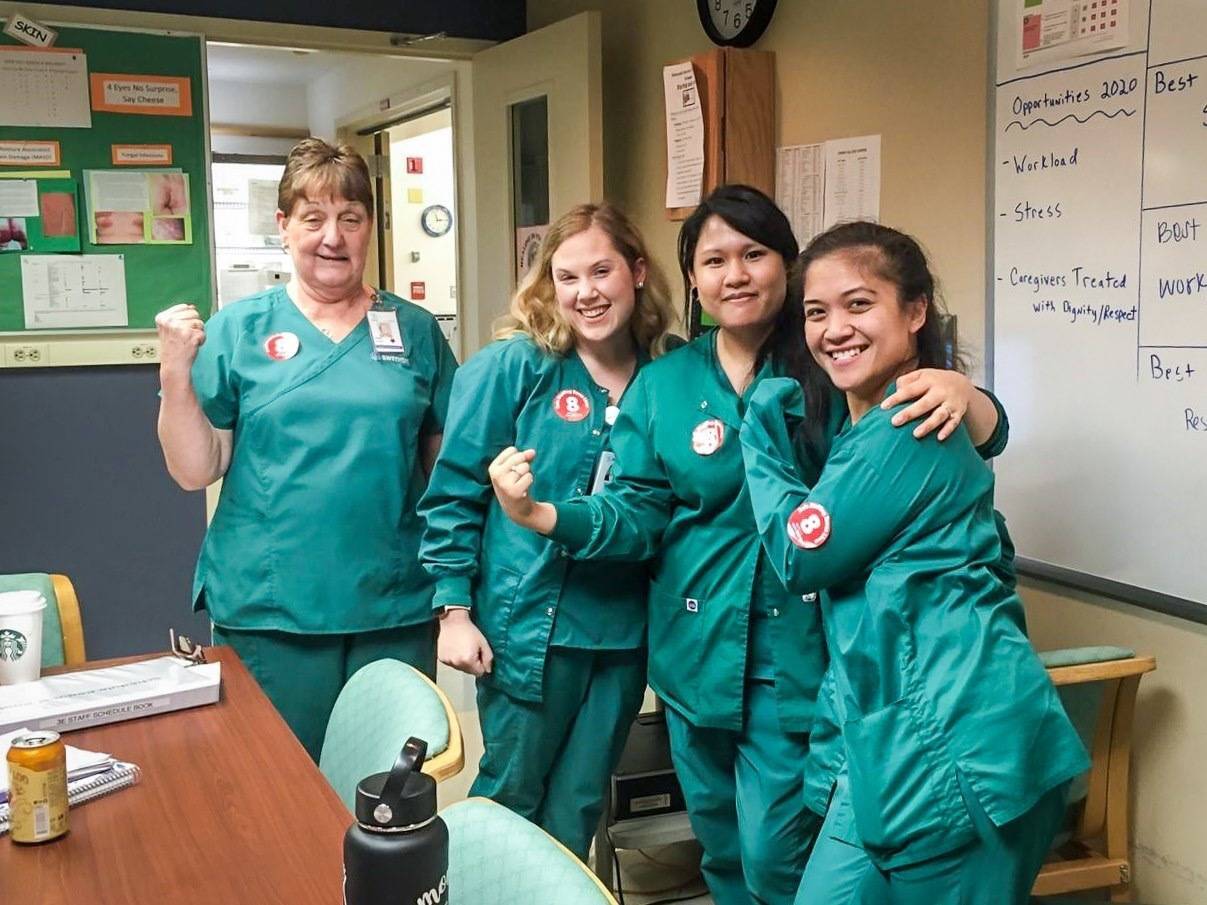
(416, 99)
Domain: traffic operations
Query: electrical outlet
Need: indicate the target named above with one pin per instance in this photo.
(26, 355)
(145, 352)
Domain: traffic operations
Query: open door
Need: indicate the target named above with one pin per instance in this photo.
(378, 265)
(538, 150)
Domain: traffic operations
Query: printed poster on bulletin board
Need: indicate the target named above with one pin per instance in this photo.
(39, 215)
(103, 196)
(135, 207)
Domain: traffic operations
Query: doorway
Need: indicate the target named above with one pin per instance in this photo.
(413, 161)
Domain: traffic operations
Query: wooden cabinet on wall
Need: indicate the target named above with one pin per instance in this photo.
(737, 100)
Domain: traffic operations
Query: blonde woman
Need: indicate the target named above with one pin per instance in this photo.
(310, 567)
(558, 646)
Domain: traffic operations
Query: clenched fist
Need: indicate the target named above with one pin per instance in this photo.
(181, 333)
(511, 475)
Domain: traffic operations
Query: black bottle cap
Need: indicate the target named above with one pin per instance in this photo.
(401, 798)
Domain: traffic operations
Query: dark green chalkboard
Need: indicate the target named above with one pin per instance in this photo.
(156, 276)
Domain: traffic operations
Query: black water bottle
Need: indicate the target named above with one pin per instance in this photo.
(397, 851)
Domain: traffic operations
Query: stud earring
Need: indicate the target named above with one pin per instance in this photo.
(641, 285)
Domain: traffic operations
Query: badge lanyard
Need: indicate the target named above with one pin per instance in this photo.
(385, 331)
(607, 458)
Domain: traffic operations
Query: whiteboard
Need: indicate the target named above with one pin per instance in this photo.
(1099, 297)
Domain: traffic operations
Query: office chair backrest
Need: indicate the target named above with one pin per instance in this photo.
(497, 857)
(384, 704)
(62, 632)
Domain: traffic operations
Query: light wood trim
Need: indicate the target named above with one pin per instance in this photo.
(69, 620)
(451, 760)
(1099, 672)
(1118, 777)
(1093, 817)
(750, 118)
(1092, 872)
(255, 131)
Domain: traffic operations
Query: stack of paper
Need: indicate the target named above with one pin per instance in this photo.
(90, 774)
(80, 764)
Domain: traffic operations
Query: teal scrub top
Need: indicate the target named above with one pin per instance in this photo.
(316, 529)
(678, 498)
(933, 675)
(525, 594)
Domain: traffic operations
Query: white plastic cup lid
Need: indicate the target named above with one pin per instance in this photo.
(20, 603)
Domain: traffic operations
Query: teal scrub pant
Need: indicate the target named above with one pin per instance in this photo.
(998, 868)
(303, 674)
(745, 799)
(550, 761)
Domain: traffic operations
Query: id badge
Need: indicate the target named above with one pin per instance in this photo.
(603, 470)
(385, 333)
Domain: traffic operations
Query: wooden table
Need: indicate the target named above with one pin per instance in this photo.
(230, 809)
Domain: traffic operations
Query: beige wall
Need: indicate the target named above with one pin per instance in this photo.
(917, 74)
(835, 78)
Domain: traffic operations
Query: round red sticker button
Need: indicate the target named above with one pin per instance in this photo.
(707, 437)
(282, 346)
(809, 525)
(571, 405)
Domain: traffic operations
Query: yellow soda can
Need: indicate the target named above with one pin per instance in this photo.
(37, 787)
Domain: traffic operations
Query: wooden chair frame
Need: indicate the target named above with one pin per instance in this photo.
(1083, 865)
(451, 760)
(69, 620)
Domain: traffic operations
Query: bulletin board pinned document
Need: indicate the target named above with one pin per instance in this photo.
(104, 204)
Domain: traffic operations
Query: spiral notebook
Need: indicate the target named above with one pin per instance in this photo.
(120, 775)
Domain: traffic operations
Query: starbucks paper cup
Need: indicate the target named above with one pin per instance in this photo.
(20, 636)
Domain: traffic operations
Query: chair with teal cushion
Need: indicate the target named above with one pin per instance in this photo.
(1097, 686)
(496, 857)
(62, 630)
(381, 706)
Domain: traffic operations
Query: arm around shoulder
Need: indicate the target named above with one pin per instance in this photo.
(818, 537)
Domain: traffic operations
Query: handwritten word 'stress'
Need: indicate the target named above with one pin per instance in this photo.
(1100, 287)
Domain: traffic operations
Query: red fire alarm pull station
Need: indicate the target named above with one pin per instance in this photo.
(418, 291)
(414, 164)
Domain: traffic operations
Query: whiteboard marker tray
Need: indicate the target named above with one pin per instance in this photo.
(92, 697)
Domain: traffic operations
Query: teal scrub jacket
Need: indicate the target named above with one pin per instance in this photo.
(524, 592)
(933, 675)
(316, 529)
(683, 504)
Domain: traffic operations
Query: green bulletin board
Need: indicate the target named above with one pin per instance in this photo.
(157, 275)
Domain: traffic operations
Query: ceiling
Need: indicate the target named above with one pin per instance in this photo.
(268, 65)
(485, 20)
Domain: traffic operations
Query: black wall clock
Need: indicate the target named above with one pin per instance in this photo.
(735, 23)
